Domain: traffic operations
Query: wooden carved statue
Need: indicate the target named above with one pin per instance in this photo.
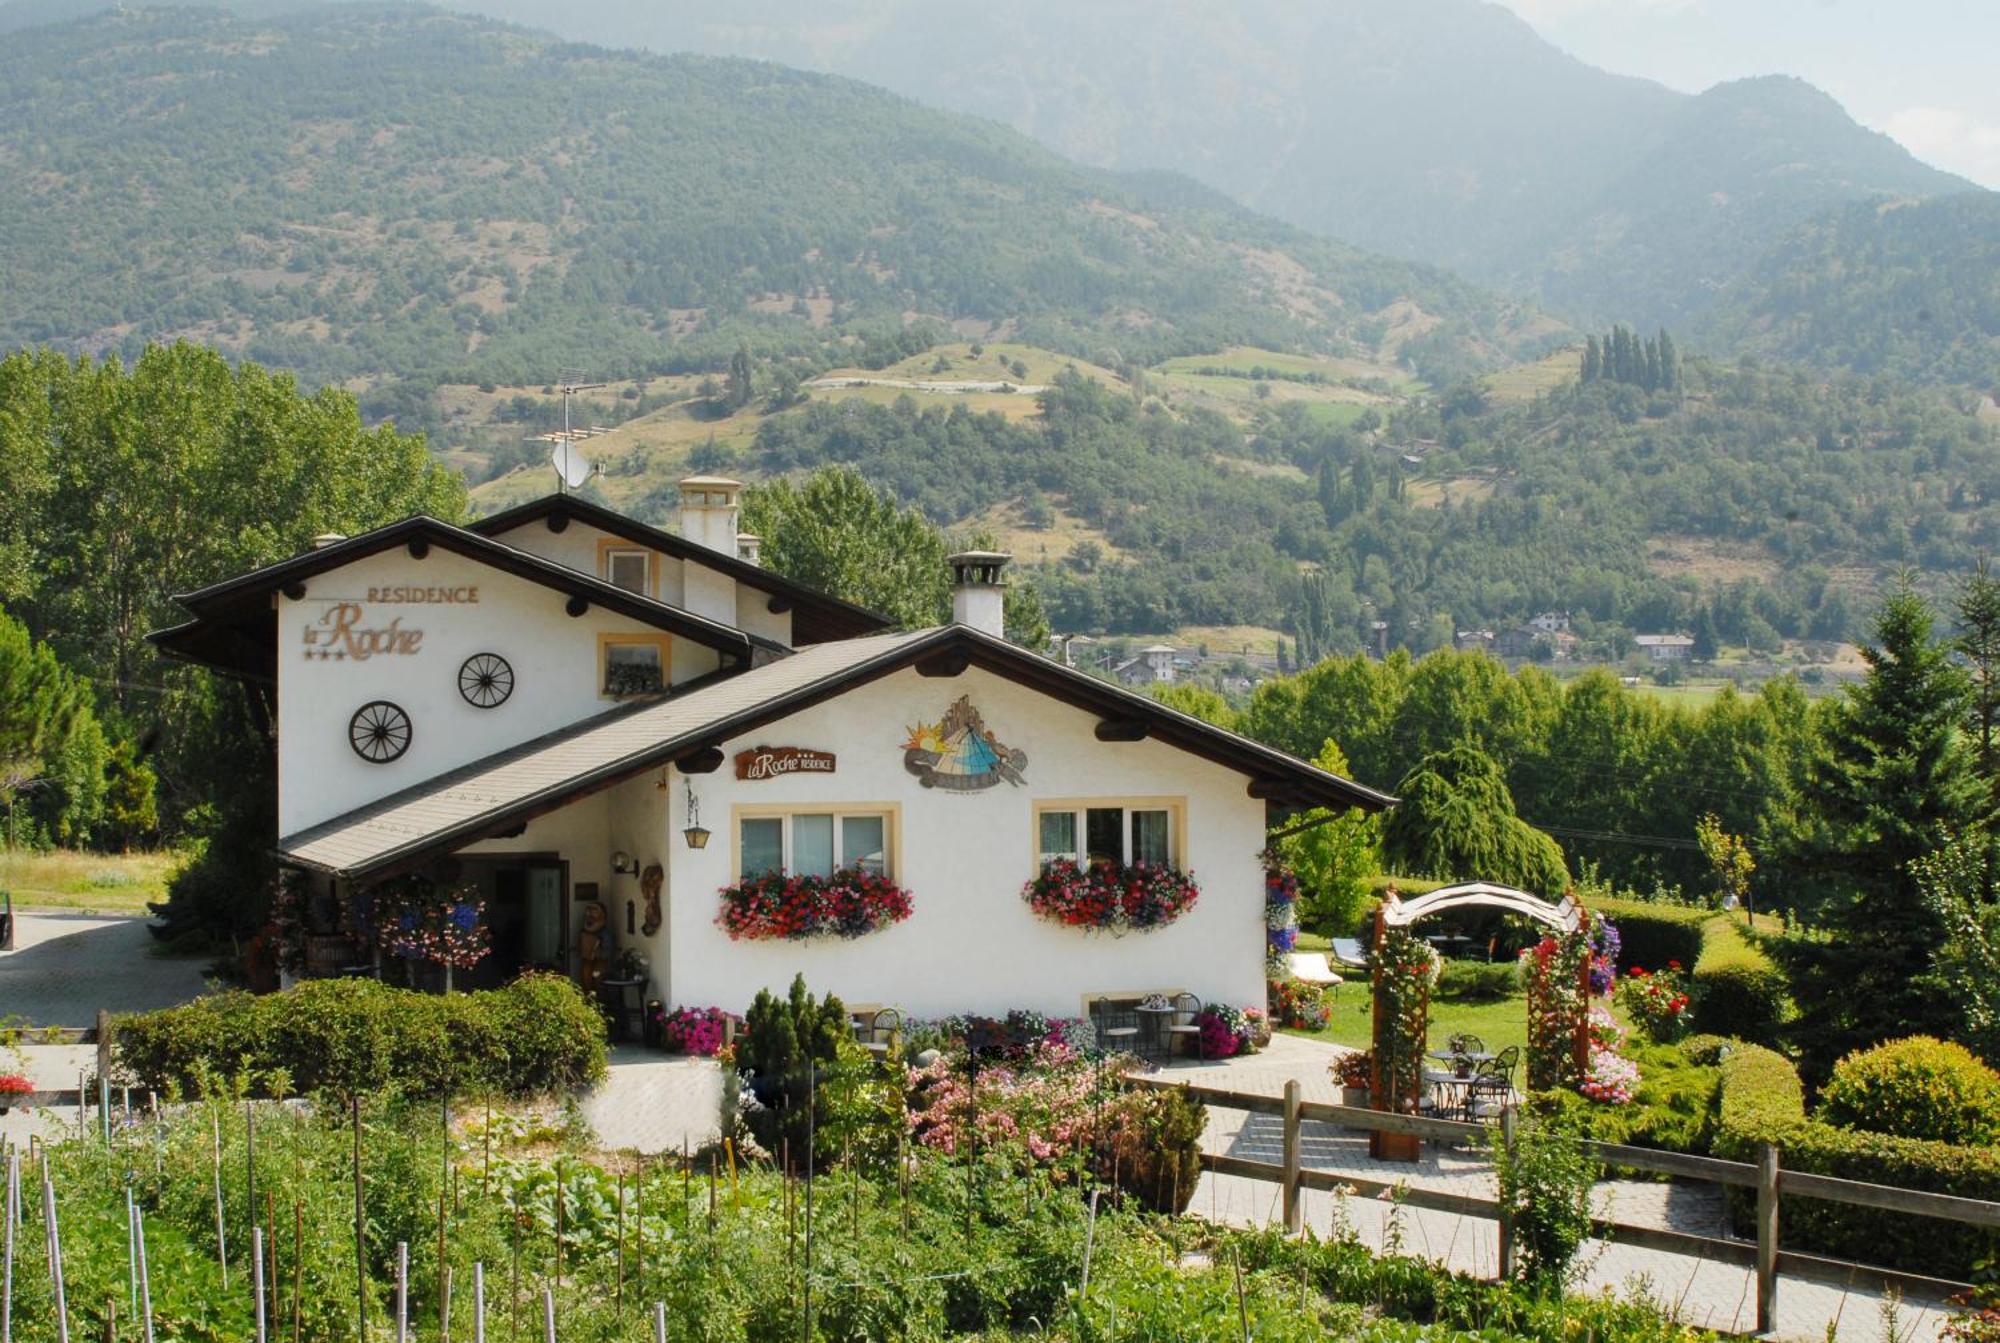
(593, 948)
(649, 886)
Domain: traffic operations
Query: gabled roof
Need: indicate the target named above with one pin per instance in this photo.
(235, 627)
(816, 617)
(502, 791)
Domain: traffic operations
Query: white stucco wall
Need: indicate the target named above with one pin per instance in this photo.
(578, 545)
(553, 656)
(972, 944)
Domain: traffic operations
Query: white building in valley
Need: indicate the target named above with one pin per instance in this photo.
(578, 715)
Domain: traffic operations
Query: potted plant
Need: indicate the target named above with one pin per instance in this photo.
(13, 1086)
(1356, 1072)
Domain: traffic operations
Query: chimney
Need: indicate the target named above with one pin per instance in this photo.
(750, 548)
(978, 592)
(709, 507)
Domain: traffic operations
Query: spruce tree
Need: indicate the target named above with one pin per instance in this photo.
(1593, 362)
(1895, 782)
(1670, 363)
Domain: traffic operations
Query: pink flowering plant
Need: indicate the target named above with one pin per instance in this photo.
(695, 1031)
(1227, 1031)
(1609, 1078)
(787, 907)
(1103, 896)
(1557, 1004)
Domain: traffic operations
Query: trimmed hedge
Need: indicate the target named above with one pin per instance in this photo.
(1763, 1100)
(1737, 989)
(1651, 934)
(538, 1035)
(1919, 1087)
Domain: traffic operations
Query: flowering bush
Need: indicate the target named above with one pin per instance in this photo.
(1356, 1069)
(776, 906)
(1659, 1003)
(1298, 1004)
(1609, 1078)
(1408, 969)
(698, 1031)
(1105, 895)
(1605, 946)
(1281, 915)
(1554, 970)
(1226, 1031)
(14, 1084)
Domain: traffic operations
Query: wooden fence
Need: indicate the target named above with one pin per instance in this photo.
(1765, 1176)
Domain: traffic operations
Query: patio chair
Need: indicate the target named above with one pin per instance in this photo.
(881, 1031)
(1489, 1093)
(1311, 967)
(1463, 1045)
(1117, 1032)
(1348, 951)
(1181, 1027)
(1507, 1060)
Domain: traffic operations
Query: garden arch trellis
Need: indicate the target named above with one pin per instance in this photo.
(1404, 968)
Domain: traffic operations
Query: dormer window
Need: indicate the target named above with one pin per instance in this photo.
(633, 664)
(628, 567)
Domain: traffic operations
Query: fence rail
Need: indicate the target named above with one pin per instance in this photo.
(1764, 1255)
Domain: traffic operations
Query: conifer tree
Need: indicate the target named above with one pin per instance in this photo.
(1670, 363)
(1894, 783)
(1593, 361)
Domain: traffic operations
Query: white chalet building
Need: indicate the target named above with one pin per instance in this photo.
(556, 703)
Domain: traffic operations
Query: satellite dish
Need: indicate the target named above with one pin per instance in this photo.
(570, 466)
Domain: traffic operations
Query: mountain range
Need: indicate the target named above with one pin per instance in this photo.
(1445, 131)
(398, 195)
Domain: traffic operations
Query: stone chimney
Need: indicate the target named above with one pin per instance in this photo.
(750, 548)
(978, 592)
(709, 509)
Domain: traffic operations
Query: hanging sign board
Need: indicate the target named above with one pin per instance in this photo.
(769, 762)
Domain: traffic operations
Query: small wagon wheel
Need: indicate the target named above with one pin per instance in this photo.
(486, 680)
(379, 732)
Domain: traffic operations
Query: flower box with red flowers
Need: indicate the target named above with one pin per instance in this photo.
(781, 906)
(1105, 895)
(13, 1087)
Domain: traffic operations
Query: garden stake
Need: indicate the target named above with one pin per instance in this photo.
(444, 1319)
(360, 1225)
(221, 1235)
(145, 1277)
(82, 1114)
(560, 1200)
(618, 1297)
(131, 1255)
(486, 1170)
(298, 1262)
(271, 1243)
(548, 1316)
(402, 1291)
(478, 1301)
(812, 1141)
(7, 1253)
(1089, 1244)
(514, 1269)
(257, 1277)
(444, 1307)
(111, 1319)
(250, 1163)
(53, 1232)
(659, 1322)
(1242, 1306)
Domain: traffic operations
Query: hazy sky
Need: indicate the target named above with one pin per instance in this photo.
(1922, 70)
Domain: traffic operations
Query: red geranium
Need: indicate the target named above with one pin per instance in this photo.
(14, 1084)
(780, 906)
(1106, 895)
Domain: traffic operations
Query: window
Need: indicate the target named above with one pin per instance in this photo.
(813, 843)
(1141, 831)
(628, 568)
(633, 664)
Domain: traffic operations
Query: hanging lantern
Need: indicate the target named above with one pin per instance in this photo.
(696, 834)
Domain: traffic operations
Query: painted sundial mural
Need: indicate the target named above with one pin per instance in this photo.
(958, 753)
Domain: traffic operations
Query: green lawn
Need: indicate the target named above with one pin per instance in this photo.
(1497, 1024)
(98, 883)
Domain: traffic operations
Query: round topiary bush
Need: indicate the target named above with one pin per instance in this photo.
(1915, 1088)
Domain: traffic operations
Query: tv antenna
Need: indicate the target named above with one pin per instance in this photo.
(571, 468)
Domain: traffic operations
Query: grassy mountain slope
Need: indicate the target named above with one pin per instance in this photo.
(1442, 130)
(377, 194)
(1911, 290)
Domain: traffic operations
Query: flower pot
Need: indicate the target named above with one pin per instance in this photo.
(1354, 1097)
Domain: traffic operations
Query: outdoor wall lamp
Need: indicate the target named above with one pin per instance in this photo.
(695, 834)
(624, 864)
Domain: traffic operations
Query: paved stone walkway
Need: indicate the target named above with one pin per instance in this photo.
(652, 1103)
(1702, 1292)
(66, 966)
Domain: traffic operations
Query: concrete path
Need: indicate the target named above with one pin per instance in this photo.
(655, 1103)
(66, 966)
(1700, 1292)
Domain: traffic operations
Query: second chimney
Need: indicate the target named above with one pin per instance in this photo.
(979, 592)
(709, 507)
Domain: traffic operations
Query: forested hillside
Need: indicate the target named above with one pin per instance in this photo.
(1911, 289)
(394, 196)
(1443, 130)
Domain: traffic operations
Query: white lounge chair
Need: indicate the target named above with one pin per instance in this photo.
(1311, 968)
(1348, 952)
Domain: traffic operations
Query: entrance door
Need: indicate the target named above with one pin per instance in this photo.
(527, 908)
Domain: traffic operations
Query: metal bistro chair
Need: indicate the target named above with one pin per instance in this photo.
(1181, 1027)
(881, 1031)
(1465, 1045)
(1489, 1093)
(1117, 1032)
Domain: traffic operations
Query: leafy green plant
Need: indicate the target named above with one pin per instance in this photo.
(1545, 1182)
(1919, 1087)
